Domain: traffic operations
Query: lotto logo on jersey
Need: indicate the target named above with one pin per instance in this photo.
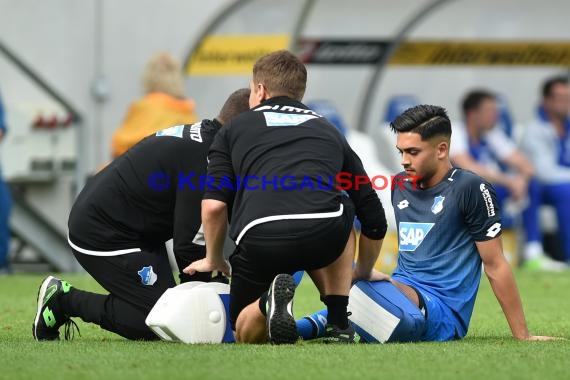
(412, 234)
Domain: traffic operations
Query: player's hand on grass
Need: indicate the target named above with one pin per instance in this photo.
(207, 265)
(542, 338)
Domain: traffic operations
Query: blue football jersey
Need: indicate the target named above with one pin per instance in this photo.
(437, 230)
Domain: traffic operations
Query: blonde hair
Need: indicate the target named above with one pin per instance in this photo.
(282, 73)
(163, 73)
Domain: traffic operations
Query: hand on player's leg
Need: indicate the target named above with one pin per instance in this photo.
(373, 275)
(206, 265)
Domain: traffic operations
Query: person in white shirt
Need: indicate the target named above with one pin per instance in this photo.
(480, 146)
(547, 142)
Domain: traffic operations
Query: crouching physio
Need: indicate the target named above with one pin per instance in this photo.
(118, 227)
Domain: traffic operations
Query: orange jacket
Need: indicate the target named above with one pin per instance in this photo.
(152, 113)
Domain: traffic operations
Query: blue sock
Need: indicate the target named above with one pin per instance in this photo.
(312, 326)
(298, 276)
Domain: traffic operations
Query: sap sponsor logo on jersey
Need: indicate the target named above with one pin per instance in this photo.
(488, 200)
(413, 234)
(175, 131)
(285, 117)
(178, 130)
(275, 119)
(437, 204)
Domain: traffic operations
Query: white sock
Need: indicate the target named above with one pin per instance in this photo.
(533, 250)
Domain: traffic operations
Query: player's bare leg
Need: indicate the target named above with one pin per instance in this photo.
(250, 325)
(270, 318)
(333, 282)
(336, 278)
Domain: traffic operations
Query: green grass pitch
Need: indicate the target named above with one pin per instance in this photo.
(488, 352)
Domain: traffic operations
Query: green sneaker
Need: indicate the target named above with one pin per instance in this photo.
(49, 317)
(544, 263)
(281, 326)
(334, 334)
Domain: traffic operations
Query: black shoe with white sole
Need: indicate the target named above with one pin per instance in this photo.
(281, 326)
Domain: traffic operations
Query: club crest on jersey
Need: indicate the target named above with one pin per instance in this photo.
(437, 204)
(411, 235)
(147, 275)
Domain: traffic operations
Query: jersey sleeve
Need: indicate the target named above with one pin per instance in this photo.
(188, 240)
(368, 207)
(187, 235)
(221, 176)
(479, 205)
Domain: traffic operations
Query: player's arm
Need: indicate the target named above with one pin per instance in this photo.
(520, 163)
(368, 251)
(214, 219)
(188, 239)
(518, 184)
(372, 218)
(188, 235)
(478, 203)
(507, 152)
(503, 283)
(215, 207)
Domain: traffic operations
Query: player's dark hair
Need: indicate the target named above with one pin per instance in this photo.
(426, 120)
(282, 74)
(551, 82)
(474, 98)
(236, 103)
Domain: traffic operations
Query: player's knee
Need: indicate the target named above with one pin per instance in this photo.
(250, 325)
(382, 313)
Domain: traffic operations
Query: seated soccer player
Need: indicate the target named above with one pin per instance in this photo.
(448, 225)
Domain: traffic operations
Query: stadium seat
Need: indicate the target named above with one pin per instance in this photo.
(397, 105)
(330, 112)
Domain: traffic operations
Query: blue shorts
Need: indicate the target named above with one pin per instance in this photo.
(440, 323)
